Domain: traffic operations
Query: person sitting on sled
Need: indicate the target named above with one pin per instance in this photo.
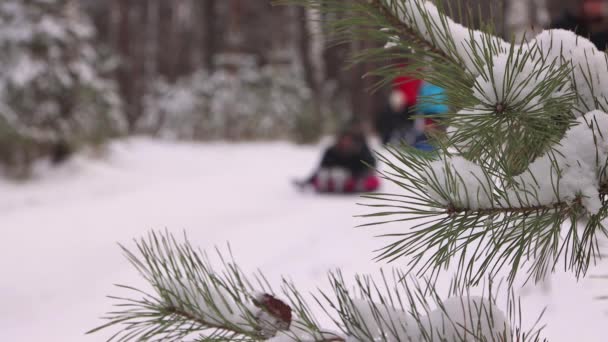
(346, 167)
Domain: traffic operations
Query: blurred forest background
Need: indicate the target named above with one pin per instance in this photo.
(76, 72)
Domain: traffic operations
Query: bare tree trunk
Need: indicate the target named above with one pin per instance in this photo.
(316, 45)
(184, 37)
(151, 32)
(311, 62)
(122, 14)
(165, 38)
(209, 43)
(140, 19)
(235, 33)
(358, 96)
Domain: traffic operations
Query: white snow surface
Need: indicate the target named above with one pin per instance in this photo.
(59, 256)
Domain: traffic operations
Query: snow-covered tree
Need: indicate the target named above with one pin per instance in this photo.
(238, 100)
(517, 188)
(53, 89)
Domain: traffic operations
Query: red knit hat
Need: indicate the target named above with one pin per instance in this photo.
(409, 86)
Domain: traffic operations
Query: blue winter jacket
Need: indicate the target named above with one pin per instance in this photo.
(431, 99)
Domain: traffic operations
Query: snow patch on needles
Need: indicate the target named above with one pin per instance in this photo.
(516, 79)
(458, 182)
(455, 319)
(571, 172)
(301, 336)
(574, 170)
(549, 50)
(461, 43)
(204, 301)
(589, 66)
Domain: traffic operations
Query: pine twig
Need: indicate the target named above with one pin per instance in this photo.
(256, 335)
(409, 32)
(172, 310)
(452, 210)
(391, 307)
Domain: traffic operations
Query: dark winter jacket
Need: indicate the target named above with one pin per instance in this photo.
(389, 121)
(581, 27)
(355, 163)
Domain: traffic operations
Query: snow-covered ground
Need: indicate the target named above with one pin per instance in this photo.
(58, 233)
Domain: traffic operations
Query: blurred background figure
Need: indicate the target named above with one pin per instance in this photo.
(347, 166)
(525, 18)
(432, 104)
(588, 18)
(412, 113)
(394, 124)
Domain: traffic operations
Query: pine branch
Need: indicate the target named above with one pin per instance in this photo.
(572, 207)
(392, 308)
(256, 336)
(408, 32)
(460, 215)
(566, 208)
(186, 316)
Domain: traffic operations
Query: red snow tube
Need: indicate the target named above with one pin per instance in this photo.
(351, 185)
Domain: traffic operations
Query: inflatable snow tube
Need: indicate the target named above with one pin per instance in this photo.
(348, 185)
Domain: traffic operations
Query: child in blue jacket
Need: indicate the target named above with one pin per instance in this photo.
(431, 101)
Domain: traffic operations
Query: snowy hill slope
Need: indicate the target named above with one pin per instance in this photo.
(59, 258)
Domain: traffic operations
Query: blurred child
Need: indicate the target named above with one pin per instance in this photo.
(394, 123)
(431, 102)
(346, 166)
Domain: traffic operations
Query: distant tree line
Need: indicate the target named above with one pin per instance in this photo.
(190, 69)
(173, 39)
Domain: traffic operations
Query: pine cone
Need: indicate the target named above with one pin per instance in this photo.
(274, 315)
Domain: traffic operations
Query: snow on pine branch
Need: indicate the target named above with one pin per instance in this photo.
(520, 81)
(555, 76)
(479, 51)
(193, 300)
(460, 183)
(457, 319)
(571, 174)
(398, 308)
(462, 215)
(529, 92)
(455, 40)
(589, 77)
(190, 292)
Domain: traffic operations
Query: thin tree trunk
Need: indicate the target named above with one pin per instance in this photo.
(310, 66)
(235, 34)
(151, 31)
(165, 38)
(184, 37)
(124, 45)
(209, 44)
(358, 95)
